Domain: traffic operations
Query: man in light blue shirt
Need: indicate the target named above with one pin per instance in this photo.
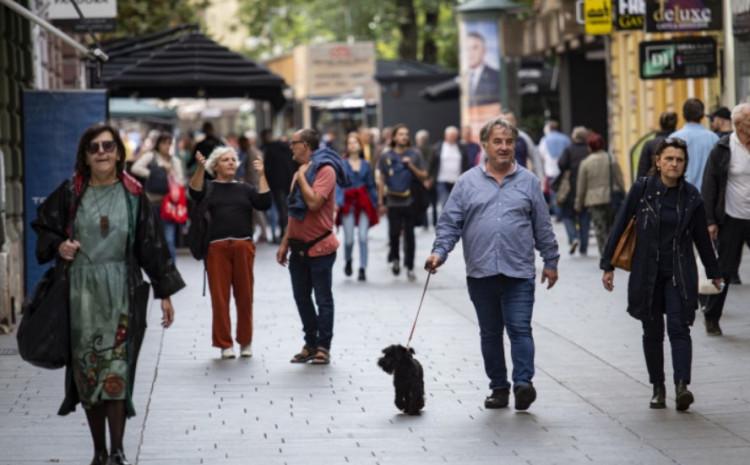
(498, 210)
(700, 140)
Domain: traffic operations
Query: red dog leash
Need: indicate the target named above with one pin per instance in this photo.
(419, 309)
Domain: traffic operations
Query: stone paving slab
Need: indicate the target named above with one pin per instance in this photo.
(592, 383)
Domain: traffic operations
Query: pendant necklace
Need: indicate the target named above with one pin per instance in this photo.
(104, 219)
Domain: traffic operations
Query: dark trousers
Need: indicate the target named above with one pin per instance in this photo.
(314, 276)
(667, 300)
(504, 303)
(433, 198)
(733, 235)
(279, 197)
(401, 218)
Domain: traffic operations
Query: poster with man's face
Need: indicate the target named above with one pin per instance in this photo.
(480, 71)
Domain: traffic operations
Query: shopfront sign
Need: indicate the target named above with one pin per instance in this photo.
(630, 14)
(683, 15)
(597, 15)
(336, 69)
(741, 17)
(678, 59)
(99, 15)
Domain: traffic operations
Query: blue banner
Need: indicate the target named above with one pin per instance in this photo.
(53, 122)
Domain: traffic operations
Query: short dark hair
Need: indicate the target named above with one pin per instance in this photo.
(476, 35)
(668, 121)
(394, 130)
(92, 133)
(207, 127)
(553, 125)
(161, 138)
(310, 137)
(674, 142)
(693, 110)
(595, 141)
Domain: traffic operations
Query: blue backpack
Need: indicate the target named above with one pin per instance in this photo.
(398, 176)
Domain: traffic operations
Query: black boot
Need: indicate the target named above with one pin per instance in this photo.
(659, 398)
(683, 397)
(348, 268)
(361, 276)
(118, 458)
(498, 398)
(100, 458)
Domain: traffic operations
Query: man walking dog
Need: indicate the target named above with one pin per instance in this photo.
(495, 208)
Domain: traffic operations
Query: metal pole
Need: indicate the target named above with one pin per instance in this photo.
(95, 53)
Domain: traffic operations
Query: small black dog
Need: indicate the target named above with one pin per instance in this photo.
(408, 378)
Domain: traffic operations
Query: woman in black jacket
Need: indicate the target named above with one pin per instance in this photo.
(669, 219)
(101, 224)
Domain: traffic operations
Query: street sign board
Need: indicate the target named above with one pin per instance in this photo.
(694, 57)
(683, 15)
(99, 15)
(597, 15)
(741, 17)
(630, 14)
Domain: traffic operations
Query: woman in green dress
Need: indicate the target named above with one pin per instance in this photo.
(100, 222)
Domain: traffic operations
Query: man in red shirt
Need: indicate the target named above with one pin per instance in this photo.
(309, 237)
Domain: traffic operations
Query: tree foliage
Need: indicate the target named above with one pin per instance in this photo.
(411, 29)
(138, 17)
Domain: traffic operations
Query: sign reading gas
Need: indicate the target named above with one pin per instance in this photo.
(630, 14)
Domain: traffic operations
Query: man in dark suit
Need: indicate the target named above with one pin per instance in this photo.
(450, 159)
(484, 80)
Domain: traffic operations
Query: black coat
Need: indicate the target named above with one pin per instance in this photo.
(279, 165)
(147, 250)
(715, 176)
(434, 166)
(644, 201)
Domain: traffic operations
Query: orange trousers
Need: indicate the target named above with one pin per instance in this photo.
(230, 265)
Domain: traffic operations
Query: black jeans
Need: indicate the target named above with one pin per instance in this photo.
(279, 197)
(667, 300)
(733, 235)
(314, 275)
(401, 218)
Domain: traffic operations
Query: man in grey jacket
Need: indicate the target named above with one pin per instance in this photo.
(495, 208)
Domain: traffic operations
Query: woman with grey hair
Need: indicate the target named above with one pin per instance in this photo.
(576, 223)
(231, 251)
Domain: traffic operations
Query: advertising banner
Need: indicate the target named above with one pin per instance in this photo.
(741, 17)
(52, 125)
(597, 15)
(480, 71)
(336, 69)
(671, 59)
(683, 15)
(630, 14)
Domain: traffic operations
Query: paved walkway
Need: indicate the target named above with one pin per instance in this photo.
(592, 383)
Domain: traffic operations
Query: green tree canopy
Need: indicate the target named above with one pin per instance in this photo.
(138, 17)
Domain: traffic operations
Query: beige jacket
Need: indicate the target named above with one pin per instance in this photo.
(593, 180)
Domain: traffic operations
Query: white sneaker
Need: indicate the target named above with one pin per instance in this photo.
(246, 351)
(411, 276)
(227, 353)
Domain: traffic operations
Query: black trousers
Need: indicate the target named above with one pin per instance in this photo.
(733, 235)
(279, 197)
(401, 219)
(667, 302)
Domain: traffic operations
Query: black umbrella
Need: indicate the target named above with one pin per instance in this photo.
(185, 63)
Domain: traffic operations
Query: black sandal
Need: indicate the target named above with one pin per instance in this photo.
(322, 357)
(304, 355)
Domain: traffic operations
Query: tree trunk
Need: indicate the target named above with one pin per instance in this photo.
(407, 26)
(429, 47)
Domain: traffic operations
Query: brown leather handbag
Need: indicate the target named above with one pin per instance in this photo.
(623, 256)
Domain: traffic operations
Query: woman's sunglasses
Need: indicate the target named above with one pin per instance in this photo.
(107, 146)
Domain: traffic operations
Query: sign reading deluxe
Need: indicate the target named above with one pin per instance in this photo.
(683, 15)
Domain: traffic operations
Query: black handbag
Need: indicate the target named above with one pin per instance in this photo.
(44, 333)
(157, 182)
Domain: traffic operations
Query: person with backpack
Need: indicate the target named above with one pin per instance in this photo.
(399, 171)
(164, 184)
(225, 241)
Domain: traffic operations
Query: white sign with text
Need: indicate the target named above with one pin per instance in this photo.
(63, 9)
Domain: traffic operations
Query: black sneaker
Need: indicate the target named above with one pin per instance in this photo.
(498, 398)
(713, 328)
(683, 397)
(573, 247)
(525, 395)
(361, 276)
(348, 268)
(395, 268)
